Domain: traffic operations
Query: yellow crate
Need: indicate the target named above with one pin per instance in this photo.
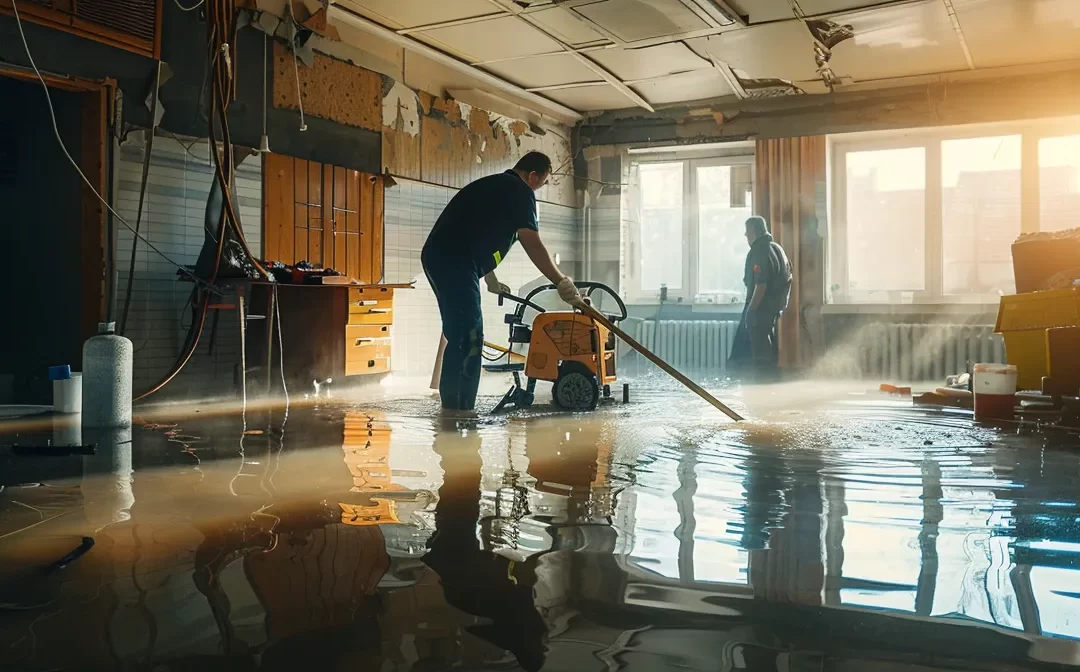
(1023, 320)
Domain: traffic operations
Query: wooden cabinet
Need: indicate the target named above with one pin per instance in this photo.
(329, 331)
(325, 215)
(330, 217)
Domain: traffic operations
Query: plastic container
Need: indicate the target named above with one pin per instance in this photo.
(107, 370)
(1023, 320)
(994, 386)
(67, 394)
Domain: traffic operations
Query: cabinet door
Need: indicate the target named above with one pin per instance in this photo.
(326, 215)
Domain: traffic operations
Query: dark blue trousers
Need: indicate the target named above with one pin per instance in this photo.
(457, 289)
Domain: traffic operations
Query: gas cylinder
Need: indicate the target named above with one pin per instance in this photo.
(106, 400)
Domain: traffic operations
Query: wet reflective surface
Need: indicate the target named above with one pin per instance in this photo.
(852, 533)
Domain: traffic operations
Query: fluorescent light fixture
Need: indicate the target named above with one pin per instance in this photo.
(668, 149)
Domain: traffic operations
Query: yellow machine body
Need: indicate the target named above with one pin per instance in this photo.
(559, 337)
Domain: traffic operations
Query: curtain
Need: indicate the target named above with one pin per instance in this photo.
(790, 195)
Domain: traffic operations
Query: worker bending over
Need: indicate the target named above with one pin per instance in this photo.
(471, 237)
(768, 289)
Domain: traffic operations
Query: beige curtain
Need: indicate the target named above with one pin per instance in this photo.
(790, 195)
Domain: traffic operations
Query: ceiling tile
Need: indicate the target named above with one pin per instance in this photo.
(819, 7)
(762, 10)
(563, 24)
(781, 50)
(488, 40)
(655, 61)
(590, 98)
(685, 87)
(632, 20)
(900, 41)
(543, 71)
(1014, 32)
(412, 13)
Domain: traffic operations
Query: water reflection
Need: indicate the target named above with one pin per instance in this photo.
(367, 538)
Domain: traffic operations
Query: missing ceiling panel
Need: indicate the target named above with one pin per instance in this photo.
(829, 33)
(717, 12)
(768, 87)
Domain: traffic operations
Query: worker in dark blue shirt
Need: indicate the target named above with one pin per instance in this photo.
(471, 237)
(768, 279)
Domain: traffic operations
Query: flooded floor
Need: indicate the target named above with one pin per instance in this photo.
(835, 532)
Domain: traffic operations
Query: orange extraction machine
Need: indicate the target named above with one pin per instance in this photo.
(567, 348)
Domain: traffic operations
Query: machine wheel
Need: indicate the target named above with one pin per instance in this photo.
(576, 389)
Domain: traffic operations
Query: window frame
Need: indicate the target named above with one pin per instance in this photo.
(930, 140)
(691, 225)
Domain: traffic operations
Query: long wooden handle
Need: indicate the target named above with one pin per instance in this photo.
(694, 387)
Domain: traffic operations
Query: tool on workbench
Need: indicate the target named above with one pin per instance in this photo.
(571, 350)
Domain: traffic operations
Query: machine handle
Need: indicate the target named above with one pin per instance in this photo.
(522, 301)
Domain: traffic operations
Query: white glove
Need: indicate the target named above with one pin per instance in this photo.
(569, 293)
(496, 287)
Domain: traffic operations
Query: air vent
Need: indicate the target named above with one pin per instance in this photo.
(133, 17)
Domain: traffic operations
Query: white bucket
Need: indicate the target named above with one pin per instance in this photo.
(994, 379)
(67, 394)
(994, 386)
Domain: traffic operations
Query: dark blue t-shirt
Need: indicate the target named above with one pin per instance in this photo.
(480, 223)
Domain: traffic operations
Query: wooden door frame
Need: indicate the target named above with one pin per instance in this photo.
(93, 155)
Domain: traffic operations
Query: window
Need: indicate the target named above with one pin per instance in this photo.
(661, 226)
(1059, 183)
(980, 214)
(930, 216)
(688, 235)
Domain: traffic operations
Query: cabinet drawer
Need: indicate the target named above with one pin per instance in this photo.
(366, 351)
(367, 366)
(358, 332)
(370, 314)
(370, 294)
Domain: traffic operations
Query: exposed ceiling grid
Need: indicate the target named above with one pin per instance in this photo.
(592, 55)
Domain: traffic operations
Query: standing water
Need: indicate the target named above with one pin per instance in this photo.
(858, 534)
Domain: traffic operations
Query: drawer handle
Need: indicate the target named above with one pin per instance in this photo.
(371, 363)
(361, 341)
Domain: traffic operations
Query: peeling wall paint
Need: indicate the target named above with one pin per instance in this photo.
(401, 109)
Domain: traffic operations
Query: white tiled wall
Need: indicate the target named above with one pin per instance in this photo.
(173, 215)
(411, 211)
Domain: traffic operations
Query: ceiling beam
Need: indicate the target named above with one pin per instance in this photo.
(635, 82)
(539, 103)
(959, 33)
(607, 76)
(560, 52)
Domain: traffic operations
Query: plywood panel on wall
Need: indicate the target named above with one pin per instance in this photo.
(331, 89)
(326, 215)
(441, 141)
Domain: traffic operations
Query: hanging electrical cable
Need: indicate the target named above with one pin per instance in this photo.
(142, 197)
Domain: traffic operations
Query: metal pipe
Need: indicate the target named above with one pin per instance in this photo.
(338, 12)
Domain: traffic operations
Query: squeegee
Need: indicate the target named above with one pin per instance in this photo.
(672, 371)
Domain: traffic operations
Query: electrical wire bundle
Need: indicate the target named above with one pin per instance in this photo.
(222, 32)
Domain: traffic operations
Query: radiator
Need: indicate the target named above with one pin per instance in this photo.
(925, 352)
(699, 346)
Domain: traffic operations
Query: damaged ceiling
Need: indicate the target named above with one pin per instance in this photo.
(590, 55)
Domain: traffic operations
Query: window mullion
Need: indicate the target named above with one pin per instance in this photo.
(934, 233)
(1030, 204)
(690, 233)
